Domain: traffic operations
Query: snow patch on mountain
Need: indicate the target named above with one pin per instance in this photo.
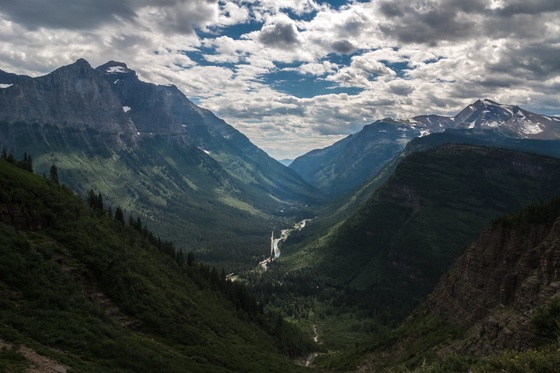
(531, 128)
(116, 70)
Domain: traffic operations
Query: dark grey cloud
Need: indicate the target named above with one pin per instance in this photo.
(433, 21)
(343, 46)
(181, 16)
(353, 26)
(401, 89)
(178, 16)
(66, 14)
(538, 62)
(391, 9)
(280, 35)
(529, 7)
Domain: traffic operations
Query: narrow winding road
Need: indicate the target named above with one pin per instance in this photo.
(275, 242)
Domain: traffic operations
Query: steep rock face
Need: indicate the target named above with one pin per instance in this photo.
(71, 96)
(495, 286)
(155, 109)
(163, 110)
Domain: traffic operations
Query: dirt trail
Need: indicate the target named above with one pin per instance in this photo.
(37, 363)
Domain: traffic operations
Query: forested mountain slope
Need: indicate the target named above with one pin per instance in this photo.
(95, 293)
(396, 246)
(496, 309)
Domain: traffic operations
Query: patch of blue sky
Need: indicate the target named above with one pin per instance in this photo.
(234, 31)
(401, 68)
(304, 86)
(307, 17)
(199, 57)
(335, 4)
(340, 59)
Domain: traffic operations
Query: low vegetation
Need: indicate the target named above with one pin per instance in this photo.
(85, 288)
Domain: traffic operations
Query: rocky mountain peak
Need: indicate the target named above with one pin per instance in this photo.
(73, 96)
(118, 70)
(508, 120)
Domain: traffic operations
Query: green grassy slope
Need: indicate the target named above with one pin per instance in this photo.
(98, 295)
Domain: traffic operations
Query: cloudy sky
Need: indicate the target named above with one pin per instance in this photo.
(294, 75)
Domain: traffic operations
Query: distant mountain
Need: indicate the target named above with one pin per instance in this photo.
(348, 163)
(484, 137)
(397, 245)
(192, 177)
(510, 121)
(352, 161)
(286, 162)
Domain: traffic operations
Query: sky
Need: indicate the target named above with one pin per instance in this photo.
(299, 75)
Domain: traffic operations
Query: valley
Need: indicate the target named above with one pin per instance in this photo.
(421, 244)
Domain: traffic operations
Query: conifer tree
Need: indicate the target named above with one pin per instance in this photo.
(119, 215)
(54, 174)
(190, 259)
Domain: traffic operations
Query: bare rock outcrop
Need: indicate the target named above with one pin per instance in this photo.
(496, 285)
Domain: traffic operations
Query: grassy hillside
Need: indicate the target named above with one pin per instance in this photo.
(96, 294)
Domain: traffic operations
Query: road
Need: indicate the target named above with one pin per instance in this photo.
(284, 234)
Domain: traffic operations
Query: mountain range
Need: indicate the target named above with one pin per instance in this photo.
(397, 209)
(352, 161)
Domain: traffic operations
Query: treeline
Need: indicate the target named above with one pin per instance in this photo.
(544, 213)
(26, 163)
